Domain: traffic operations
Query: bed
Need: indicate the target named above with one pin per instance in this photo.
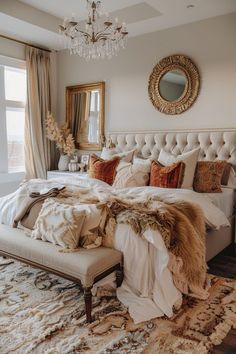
(215, 144)
(149, 289)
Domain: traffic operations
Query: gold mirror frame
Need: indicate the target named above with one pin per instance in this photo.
(100, 86)
(174, 62)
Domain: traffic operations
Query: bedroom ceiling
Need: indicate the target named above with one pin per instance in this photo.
(36, 21)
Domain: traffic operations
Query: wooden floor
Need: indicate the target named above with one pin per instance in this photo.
(224, 264)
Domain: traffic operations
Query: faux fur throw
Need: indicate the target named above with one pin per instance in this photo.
(181, 225)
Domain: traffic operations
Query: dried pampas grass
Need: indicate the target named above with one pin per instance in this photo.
(62, 136)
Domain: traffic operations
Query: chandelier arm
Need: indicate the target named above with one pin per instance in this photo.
(84, 33)
(104, 36)
(103, 33)
(110, 39)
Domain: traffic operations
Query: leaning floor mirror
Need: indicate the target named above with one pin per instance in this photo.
(85, 114)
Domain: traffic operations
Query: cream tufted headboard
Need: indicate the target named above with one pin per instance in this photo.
(214, 144)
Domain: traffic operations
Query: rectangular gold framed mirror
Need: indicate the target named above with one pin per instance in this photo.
(85, 105)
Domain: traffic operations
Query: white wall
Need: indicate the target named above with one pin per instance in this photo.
(210, 43)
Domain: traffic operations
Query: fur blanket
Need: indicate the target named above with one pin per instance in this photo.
(181, 225)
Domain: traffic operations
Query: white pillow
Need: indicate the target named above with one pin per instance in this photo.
(232, 179)
(93, 217)
(126, 156)
(145, 163)
(123, 164)
(135, 175)
(59, 223)
(190, 159)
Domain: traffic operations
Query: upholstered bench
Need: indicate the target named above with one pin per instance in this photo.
(84, 267)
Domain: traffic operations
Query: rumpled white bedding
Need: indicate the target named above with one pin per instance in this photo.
(147, 290)
(10, 203)
(225, 201)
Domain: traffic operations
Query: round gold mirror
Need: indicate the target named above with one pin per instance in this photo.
(174, 84)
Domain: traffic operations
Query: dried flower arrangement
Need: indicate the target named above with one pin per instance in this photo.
(62, 136)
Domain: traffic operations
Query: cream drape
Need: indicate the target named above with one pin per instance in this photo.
(37, 146)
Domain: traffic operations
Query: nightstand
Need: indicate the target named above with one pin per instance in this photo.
(57, 173)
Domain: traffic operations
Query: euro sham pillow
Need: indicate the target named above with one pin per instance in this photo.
(208, 176)
(105, 170)
(132, 175)
(232, 178)
(144, 163)
(108, 154)
(59, 223)
(167, 176)
(189, 158)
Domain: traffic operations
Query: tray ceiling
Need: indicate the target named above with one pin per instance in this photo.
(36, 21)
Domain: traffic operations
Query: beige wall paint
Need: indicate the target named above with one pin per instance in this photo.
(210, 43)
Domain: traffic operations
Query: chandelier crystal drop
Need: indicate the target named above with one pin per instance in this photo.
(97, 37)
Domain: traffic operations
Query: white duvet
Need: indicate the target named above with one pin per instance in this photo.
(147, 290)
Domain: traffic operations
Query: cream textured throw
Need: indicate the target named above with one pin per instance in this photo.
(59, 223)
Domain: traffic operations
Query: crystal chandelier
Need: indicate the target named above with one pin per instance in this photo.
(95, 38)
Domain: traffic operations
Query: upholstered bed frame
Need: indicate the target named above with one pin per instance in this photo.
(215, 145)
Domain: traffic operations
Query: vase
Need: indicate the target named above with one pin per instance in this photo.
(63, 162)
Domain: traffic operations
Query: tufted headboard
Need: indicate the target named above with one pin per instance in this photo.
(214, 144)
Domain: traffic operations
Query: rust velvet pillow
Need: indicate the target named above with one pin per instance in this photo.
(167, 176)
(226, 173)
(208, 176)
(105, 170)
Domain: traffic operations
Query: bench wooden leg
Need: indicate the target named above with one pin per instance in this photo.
(88, 304)
(119, 276)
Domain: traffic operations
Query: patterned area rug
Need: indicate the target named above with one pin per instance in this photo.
(42, 313)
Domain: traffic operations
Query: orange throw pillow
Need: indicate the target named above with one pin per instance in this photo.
(208, 176)
(167, 176)
(105, 170)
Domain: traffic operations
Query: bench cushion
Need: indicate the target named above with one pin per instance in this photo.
(84, 264)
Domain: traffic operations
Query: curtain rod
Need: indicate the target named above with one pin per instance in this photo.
(25, 43)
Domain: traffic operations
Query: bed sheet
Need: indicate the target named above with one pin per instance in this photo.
(225, 201)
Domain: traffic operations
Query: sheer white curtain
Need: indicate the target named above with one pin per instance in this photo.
(38, 149)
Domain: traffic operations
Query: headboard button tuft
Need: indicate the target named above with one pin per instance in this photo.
(214, 145)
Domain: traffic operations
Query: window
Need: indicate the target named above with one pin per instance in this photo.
(93, 133)
(12, 114)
